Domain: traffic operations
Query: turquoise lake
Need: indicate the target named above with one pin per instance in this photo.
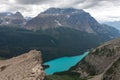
(63, 64)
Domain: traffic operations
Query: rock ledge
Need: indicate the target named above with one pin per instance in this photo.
(24, 67)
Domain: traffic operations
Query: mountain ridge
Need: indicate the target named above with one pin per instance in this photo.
(66, 17)
(55, 17)
(115, 24)
(13, 19)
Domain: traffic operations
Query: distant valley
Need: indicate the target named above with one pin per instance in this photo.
(115, 24)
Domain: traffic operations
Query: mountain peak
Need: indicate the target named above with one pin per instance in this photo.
(18, 15)
(62, 11)
(67, 17)
(8, 18)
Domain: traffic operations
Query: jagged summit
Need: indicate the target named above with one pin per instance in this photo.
(65, 17)
(18, 15)
(8, 18)
(24, 67)
(71, 18)
(62, 11)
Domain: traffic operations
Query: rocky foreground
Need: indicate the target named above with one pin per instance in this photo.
(103, 63)
(24, 67)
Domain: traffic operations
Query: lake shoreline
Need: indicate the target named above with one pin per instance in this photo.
(63, 63)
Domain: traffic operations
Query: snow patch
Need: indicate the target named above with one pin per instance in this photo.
(68, 16)
(8, 14)
(58, 23)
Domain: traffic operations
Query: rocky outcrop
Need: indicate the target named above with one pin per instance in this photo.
(102, 63)
(24, 67)
(114, 72)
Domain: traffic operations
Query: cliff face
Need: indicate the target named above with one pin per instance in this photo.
(102, 63)
(24, 67)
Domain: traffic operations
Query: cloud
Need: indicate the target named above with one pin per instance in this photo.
(100, 9)
(29, 2)
(105, 9)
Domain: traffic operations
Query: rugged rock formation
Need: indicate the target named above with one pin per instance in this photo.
(102, 63)
(8, 18)
(24, 67)
(72, 18)
(114, 72)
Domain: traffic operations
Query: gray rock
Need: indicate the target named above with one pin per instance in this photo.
(24, 67)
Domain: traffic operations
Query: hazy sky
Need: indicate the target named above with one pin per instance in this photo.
(102, 10)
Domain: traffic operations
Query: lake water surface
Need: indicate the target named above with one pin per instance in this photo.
(63, 64)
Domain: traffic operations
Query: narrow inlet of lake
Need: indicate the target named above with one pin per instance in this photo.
(63, 64)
